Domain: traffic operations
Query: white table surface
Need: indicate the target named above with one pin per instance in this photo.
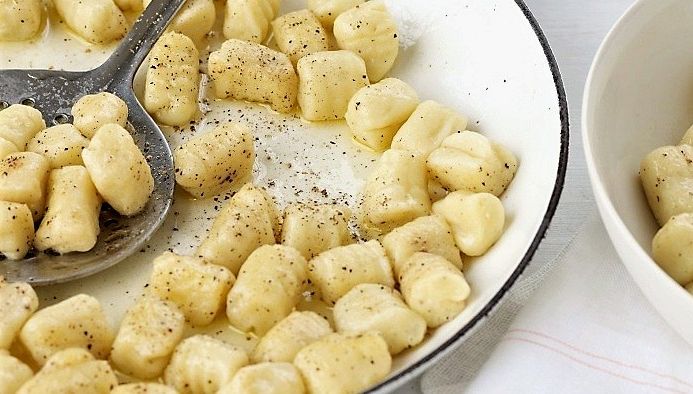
(575, 28)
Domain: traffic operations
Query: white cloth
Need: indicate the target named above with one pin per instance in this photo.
(588, 328)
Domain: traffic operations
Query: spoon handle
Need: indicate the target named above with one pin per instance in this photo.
(121, 66)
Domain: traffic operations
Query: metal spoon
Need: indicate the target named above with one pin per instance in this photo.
(54, 93)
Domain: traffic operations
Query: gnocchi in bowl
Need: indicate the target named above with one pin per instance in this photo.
(278, 267)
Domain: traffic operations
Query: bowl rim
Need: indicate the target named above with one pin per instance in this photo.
(605, 205)
(460, 336)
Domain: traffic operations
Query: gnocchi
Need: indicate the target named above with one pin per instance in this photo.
(477, 220)
(377, 308)
(469, 161)
(195, 19)
(666, 175)
(249, 20)
(433, 288)
(214, 162)
(296, 331)
(72, 370)
(118, 169)
(266, 378)
(376, 112)
(672, 248)
(430, 234)
(148, 334)
(195, 287)
(13, 373)
(269, 286)
(338, 270)
(19, 124)
(173, 79)
(20, 19)
(248, 71)
(71, 223)
(97, 21)
(24, 179)
(16, 231)
(143, 388)
(369, 30)
(299, 33)
(248, 221)
(396, 192)
(62, 145)
(18, 301)
(202, 365)
(95, 110)
(327, 81)
(344, 363)
(313, 229)
(328, 10)
(77, 322)
(6, 147)
(427, 127)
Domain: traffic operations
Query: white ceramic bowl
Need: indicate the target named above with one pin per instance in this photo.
(487, 59)
(639, 96)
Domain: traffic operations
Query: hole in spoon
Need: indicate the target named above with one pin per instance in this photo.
(29, 102)
(61, 119)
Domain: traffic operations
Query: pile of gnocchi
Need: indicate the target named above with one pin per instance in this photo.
(431, 202)
(667, 179)
(59, 176)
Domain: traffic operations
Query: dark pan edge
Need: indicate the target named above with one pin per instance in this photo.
(420, 366)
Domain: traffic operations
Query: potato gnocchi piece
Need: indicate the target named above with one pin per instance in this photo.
(430, 234)
(299, 33)
(377, 111)
(377, 308)
(6, 148)
(477, 220)
(248, 71)
(433, 288)
(269, 286)
(214, 162)
(688, 137)
(95, 110)
(13, 373)
(18, 301)
(327, 81)
(78, 322)
(248, 221)
(71, 223)
(313, 229)
(672, 248)
(62, 145)
(23, 179)
(19, 124)
(195, 287)
(469, 161)
(341, 363)
(173, 80)
(202, 364)
(20, 19)
(72, 370)
(144, 388)
(249, 20)
(667, 178)
(266, 378)
(338, 270)
(97, 21)
(16, 231)
(427, 127)
(119, 170)
(296, 331)
(195, 19)
(148, 334)
(369, 30)
(396, 192)
(328, 10)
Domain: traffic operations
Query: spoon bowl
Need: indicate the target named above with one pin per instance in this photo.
(54, 93)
